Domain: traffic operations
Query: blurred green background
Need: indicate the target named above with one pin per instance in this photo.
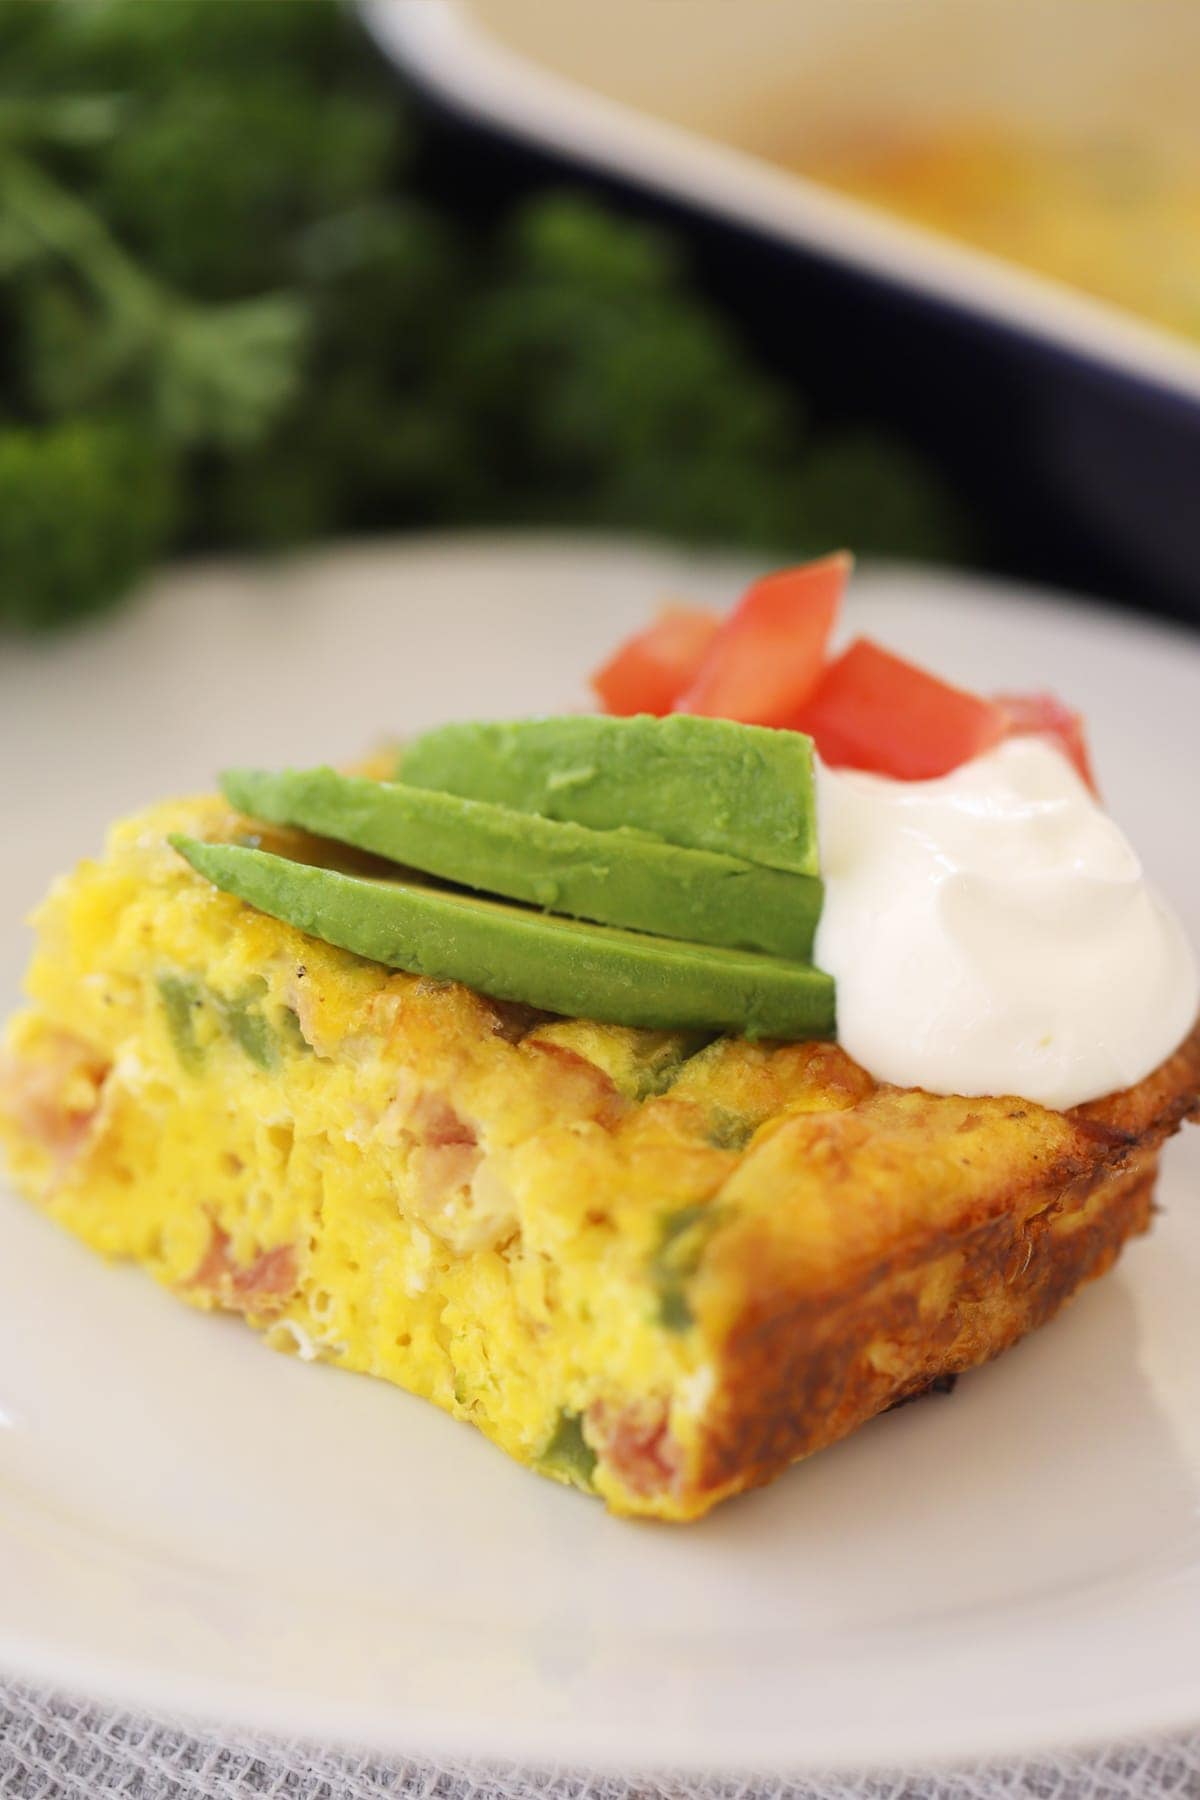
(238, 309)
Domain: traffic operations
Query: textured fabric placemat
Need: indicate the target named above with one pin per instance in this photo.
(56, 1748)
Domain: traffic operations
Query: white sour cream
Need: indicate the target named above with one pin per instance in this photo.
(992, 932)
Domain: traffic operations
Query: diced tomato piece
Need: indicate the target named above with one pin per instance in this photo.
(766, 659)
(1044, 715)
(872, 710)
(652, 668)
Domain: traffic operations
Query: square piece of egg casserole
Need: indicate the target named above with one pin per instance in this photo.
(659, 1266)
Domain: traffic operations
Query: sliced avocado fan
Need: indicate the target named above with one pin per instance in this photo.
(582, 970)
(617, 877)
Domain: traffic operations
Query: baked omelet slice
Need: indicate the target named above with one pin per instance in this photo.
(658, 1266)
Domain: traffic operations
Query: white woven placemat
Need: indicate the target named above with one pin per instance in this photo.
(56, 1748)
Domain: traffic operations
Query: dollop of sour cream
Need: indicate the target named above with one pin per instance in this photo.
(993, 932)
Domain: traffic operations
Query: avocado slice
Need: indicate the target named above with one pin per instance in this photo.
(586, 971)
(615, 877)
(706, 784)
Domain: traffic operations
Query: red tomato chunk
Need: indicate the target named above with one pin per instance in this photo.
(765, 664)
(767, 657)
(1044, 715)
(651, 669)
(872, 710)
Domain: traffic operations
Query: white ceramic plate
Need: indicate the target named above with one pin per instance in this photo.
(190, 1523)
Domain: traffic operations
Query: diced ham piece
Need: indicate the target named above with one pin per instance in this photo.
(441, 1171)
(453, 1185)
(435, 1122)
(260, 1286)
(581, 1089)
(635, 1442)
(446, 1153)
(54, 1098)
